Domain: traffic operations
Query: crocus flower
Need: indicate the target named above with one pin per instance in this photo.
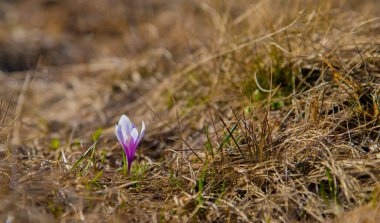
(129, 138)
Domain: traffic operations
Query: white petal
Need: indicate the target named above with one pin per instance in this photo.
(117, 133)
(124, 134)
(142, 132)
(134, 135)
(125, 124)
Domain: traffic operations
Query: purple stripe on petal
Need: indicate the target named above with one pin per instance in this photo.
(127, 148)
(132, 147)
(130, 153)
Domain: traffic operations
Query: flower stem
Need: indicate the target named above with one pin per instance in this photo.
(125, 164)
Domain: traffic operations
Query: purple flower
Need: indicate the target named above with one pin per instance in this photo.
(129, 137)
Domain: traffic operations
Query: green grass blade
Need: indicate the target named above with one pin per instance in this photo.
(92, 147)
(228, 136)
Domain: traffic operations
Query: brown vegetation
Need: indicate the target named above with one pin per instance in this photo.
(264, 111)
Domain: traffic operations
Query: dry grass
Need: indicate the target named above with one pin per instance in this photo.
(255, 112)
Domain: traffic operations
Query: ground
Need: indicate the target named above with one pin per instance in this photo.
(255, 111)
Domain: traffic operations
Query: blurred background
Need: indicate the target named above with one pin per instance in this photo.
(58, 32)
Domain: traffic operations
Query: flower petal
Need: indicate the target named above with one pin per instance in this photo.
(134, 135)
(125, 124)
(119, 134)
(132, 146)
(142, 132)
(126, 136)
